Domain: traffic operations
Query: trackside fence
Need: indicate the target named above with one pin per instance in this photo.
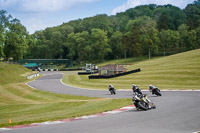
(113, 76)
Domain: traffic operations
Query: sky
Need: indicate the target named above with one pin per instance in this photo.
(39, 14)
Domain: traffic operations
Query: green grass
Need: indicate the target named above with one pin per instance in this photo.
(128, 61)
(24, 105)
(180, 71)
(12, 73)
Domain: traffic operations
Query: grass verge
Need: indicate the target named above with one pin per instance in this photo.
(180, 71)
(24, 105)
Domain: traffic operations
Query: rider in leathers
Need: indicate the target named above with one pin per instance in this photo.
(136, 89)
(111, 87)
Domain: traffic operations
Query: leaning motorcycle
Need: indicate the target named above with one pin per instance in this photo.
(154, 90)
(142, 102)
(112, 91)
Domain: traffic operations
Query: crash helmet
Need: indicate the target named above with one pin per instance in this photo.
(110, 85)
(150, 86)
(134, 86)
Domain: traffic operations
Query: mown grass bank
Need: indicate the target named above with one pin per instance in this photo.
(24, 105)
(180, 71)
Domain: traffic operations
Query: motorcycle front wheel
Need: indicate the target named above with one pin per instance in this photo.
(141, 106)
(153, 106)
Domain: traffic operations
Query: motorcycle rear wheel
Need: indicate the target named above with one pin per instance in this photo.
(158, 93)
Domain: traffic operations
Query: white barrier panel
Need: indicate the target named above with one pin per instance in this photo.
(31, 76)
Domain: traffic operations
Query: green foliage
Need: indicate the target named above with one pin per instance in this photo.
(100, 45)
(15, 46)
(193, 14)
(143, 36)
(169, 41)
(169, 17)
(143, 10)
(144, 30)
(88, 47)
(13, 37)
(79, 46)
(2, 39)
(116, 45)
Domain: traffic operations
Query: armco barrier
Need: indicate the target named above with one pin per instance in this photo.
(113, 76)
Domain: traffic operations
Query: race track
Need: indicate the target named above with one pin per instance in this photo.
(176, 112)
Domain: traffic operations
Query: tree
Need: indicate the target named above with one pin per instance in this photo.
(65, 30)
(183, 31)
(79, 45)
(192, 40)
(31, 42)
(84, 47)
(119, 22)
(41, 49)
(169, 17)
(169, 41)
(198, 37)
(2, 39)
(125, 44)
(98, 22)
(163, 22)
(99, 44)
(56, 44)
(193, 14)
(71, 44)
(4, 22)
(144, 36)
(116, 45)
(15, 46)
(15, 41)
(134, 44)
(143, 10)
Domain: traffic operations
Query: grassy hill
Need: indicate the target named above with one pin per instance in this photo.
(180, 71)
(12, 73)
(24, 105)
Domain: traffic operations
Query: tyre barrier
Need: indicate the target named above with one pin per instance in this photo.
(44, 70)
(87, 73)
(113, 76)
(64, 69)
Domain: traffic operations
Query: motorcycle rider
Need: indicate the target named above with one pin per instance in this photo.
(136, 89)
(111, 87)
(154, 90)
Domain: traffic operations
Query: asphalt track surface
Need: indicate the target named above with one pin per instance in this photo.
(176, 112)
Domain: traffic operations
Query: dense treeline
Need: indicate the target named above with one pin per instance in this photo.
(144, 30)
(14, 39)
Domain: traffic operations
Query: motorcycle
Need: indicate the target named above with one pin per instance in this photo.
(112, 91)
(154, 90)
(142, 102)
